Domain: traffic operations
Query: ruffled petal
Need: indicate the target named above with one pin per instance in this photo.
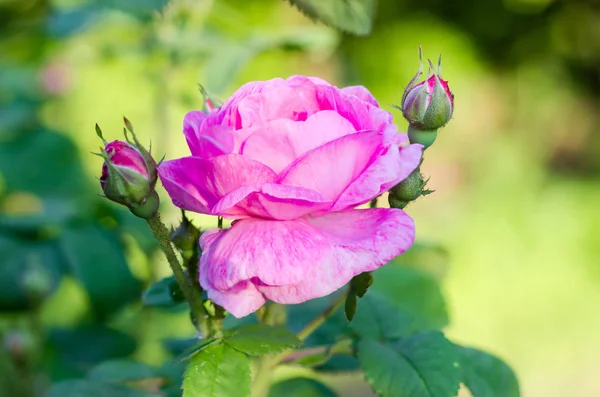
(198, 184)
(360, 241)
(363, 115)
(361, 93)
(271, 201)
(206, 141)
(332, 167)
(278, 100)
(261, 252)
(280, 142)
(294, 261)
(389, 169)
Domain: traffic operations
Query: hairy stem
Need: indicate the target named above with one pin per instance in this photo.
(161, 233)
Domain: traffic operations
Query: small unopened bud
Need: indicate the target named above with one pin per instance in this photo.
(129, 175)
(408, 190)
(186, 238)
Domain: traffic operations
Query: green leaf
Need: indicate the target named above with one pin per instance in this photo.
(71, 353)
(225, 63)
(66, 23)
(377, 318)
(352, 16)
(415, 292)
(95, 257)
(257, 339)
(301, 387)
(486, 375)
(119, 371)
(423, 365)
(163, 293)
(429, 258)
(44, 163)
(217, 371)
(91, 388)
(30, 271)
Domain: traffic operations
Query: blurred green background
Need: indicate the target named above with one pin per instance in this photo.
(516, 172)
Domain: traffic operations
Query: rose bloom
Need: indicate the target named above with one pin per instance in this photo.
(290, 160)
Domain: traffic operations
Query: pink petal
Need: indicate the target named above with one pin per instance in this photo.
(278, 100)
(385, 172)
(261, 251)
(294, 261)
(360, 241)
(206, 141)
(363, 115)
(198, 184)
(301, 80)
(280, 142)
(361, 93)
(271, 201)
(331, 168)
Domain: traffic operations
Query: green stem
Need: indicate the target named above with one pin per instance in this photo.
(161, 233)
(320, 319)
(264, 373)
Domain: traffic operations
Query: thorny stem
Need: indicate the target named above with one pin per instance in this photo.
(161, 233)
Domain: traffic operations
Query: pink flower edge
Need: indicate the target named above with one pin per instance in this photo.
(297, 260)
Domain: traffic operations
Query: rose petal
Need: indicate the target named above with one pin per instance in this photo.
(271, 201)
(360, 241)
(385, 172)
(278, 100)
(280, 142)
(198, 184)
(361, 93)
(294, 261)
(363, 115)
(206, 141)
(274, 252)
(331, 168)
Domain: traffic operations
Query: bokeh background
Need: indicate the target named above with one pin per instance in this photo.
(516, 172)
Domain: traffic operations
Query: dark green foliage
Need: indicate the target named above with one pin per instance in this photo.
(301, 387)
(352, 16)
(71, 353)
(92, 388)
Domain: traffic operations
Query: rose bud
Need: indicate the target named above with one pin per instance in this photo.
(427, 106)
(408, 190)
(129, 177)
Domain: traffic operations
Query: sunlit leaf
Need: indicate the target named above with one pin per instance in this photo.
(486, 375)
(423, 365)
(217, 371)
(257, 339)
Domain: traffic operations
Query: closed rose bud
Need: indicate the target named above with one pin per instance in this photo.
(429, 104)
(128, 178)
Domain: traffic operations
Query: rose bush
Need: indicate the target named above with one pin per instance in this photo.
(289, 160)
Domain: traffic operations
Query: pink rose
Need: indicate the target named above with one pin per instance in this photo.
(290, 160)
